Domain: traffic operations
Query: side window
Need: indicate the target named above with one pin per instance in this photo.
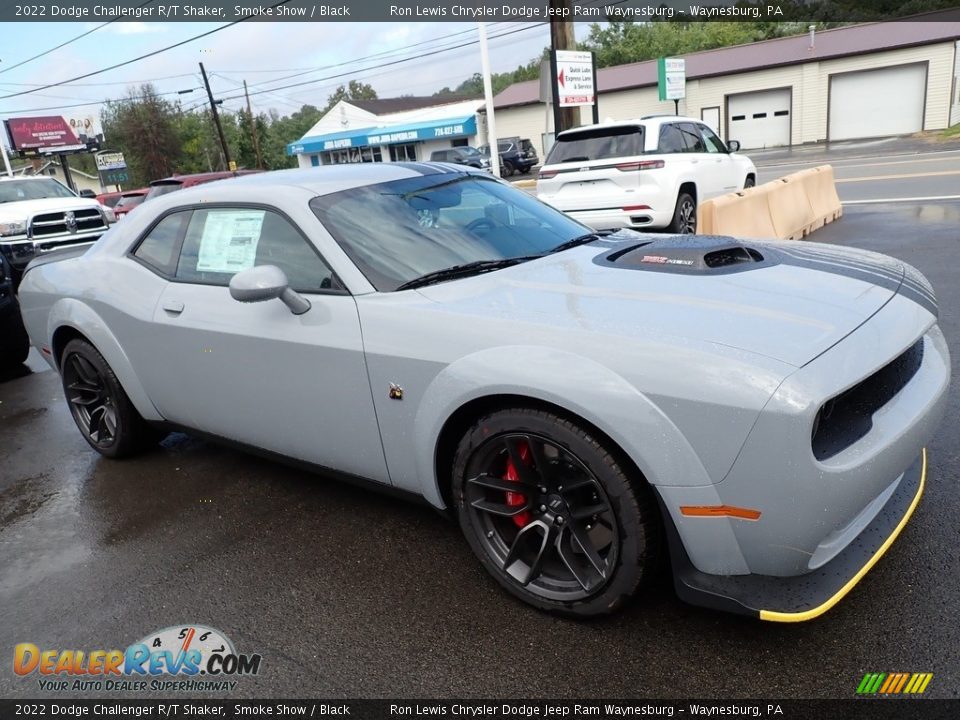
(221, 242)
(671, 140)
(159, 248)
(692, 138)
(713, 143)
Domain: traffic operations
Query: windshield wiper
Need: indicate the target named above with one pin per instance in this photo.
(471, 268)
(579, 240)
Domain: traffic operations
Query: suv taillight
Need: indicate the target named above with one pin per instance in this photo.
(642, 165)
(547, 174)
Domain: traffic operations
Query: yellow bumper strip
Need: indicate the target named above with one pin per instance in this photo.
(774, 616)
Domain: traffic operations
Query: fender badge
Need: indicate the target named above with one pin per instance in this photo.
(396, 392)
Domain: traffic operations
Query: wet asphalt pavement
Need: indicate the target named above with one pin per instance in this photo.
(347, 593)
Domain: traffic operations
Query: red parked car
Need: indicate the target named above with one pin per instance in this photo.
(179, 182)
(129, 200)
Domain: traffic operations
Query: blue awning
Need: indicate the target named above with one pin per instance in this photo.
(365, 137)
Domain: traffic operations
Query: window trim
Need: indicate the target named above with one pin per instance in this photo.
(338, 287)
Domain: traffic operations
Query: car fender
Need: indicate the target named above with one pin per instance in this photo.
(70, 312)
(575, 383)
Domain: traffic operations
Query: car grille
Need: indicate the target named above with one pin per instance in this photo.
(72, 222)
(848, 417)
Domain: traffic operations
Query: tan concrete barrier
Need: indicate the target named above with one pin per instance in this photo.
(744, 214)
(789, 208)
(822, 192)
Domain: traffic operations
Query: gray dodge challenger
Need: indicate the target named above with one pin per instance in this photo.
(585, 404)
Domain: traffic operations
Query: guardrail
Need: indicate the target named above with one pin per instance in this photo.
(788, 208)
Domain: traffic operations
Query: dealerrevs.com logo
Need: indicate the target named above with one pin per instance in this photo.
(187, 658)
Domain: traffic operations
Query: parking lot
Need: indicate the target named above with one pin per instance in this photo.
(349, 593)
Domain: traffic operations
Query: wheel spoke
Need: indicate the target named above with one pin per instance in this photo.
(547, 536)
(582, 538)
(93, 422)
(527, 474)
(495, 483)
(583, 575)
(501, 509)
(85, 371)
(570, 486)
(110, 423)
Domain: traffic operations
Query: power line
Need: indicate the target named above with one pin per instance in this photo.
(64, 44)
(104, 84)
(386, 64)
(137, 59)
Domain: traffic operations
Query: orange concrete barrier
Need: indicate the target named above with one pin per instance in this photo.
(789, 208)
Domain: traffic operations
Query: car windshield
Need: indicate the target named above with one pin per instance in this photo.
(17, 190)
(401, 230)
(597, 144)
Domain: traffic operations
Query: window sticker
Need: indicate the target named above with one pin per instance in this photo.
(229, 240)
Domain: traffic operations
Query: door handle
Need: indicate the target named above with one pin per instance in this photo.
(174, 307)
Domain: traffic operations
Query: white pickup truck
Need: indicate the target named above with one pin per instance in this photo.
(38, 214)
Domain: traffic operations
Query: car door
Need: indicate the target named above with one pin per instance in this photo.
(718, 157)
(256, 373)
(706, 173)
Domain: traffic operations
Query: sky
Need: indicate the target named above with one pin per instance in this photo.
(256, 52)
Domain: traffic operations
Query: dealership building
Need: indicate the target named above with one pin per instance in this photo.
(389, 130)
(861, 81)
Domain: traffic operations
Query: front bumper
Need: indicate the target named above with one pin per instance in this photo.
(20, 252)
(803, 597)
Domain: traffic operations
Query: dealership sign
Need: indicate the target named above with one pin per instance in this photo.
(55, 134)
(574, 78)
(672, 78)
(112, 167)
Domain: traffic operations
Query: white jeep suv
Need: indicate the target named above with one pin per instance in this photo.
(646, 173)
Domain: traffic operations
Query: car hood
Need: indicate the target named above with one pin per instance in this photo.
(791, 305)
(23, 209)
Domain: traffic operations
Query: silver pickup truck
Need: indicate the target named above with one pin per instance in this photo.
(38, 214)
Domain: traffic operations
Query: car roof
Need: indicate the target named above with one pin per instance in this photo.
(645, 121)
(325, 179)
(5, 178)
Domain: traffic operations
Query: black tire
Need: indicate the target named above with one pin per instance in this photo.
(101, 409)
(684, 216)
(615, 513)
(14, 343)
(506, 169)
(749, 182)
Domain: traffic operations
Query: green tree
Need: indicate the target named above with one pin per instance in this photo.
(144, 127)
(354, 90)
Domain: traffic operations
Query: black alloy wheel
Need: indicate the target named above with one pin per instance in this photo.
(684, 216)
(101, 409)
(552, 515)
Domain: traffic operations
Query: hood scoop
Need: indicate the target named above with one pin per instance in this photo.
(689, 254)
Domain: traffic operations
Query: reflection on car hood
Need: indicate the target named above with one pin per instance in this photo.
(792, 309)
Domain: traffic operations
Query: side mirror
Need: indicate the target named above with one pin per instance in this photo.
(266, 282)
(733, 146)
(87, 193)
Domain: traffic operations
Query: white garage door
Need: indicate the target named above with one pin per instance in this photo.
(874, 103)
(760, 119)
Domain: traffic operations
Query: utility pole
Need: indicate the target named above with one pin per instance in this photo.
(216, 120)
(3, 151)
(562, 38)
(253, 128)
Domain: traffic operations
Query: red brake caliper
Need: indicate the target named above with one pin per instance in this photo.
(515, 498)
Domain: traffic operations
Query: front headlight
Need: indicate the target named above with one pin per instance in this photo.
(109, 214)
(13, 228)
